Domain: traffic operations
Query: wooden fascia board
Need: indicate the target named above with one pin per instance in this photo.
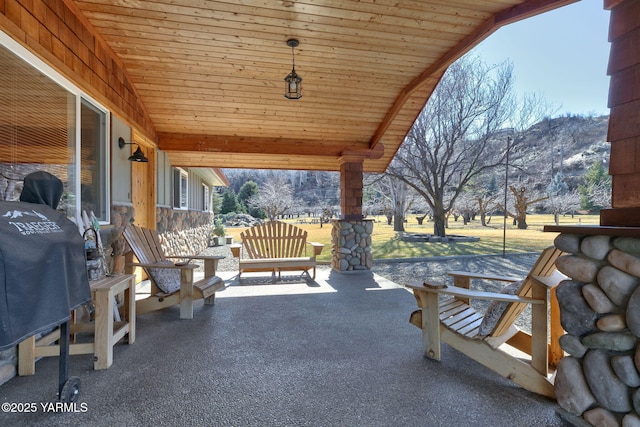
(260, 145)
(221, 176)
(211, 176)
(508, 16)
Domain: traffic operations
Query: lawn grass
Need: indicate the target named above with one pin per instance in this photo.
(386, 243)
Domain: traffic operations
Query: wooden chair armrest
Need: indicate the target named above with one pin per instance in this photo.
(235, 249)
(470, 275)
(156, 265)
(550, 281)
(210, 262)
(317, 248)
(473, 294)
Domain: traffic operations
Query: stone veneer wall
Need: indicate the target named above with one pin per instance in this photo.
(599, 380)
(183, 232)
(121, 216)
(351, 241)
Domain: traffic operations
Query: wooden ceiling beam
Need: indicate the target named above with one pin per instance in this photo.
(264, 161)
(260, 145)
(436, 70)
(253, 161)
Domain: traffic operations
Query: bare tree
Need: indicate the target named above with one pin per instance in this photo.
(486, 203)
(275, 197)
(396, 198)
(467, 207)
(561, 199)
(521, 203)
(454, 138)
(560, 204)
(600, 194)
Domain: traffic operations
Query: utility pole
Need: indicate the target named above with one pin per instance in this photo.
(561, 156)
(506, 186)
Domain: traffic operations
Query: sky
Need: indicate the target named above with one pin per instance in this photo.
(561, 55)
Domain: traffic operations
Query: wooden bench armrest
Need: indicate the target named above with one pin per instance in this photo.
(317, 248)
(473, 294)
(199, 257)
(470, 275)
(235, 249)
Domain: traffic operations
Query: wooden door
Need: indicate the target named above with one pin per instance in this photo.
(143, 194)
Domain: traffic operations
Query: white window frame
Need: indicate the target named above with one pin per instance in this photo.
(106, 153)
(182, 202)
(31, 59)
(206, 198)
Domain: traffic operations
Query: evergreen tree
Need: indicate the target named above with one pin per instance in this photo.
(216, 202)
(595, 179)
(248, 191)
(229, 202)
(557, 186)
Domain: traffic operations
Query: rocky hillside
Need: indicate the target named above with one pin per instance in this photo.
(570, 144)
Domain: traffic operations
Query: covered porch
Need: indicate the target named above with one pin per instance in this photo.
(342, 353)
(335, 352)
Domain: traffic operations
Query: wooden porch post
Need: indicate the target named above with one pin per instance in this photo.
(351, 168)
(624, 121)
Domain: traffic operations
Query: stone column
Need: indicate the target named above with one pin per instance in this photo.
(351, 245)
(351, 235)
(599, 378)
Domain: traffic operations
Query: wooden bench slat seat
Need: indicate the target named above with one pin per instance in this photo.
(275, 246)
(147, 248)
(446, 315)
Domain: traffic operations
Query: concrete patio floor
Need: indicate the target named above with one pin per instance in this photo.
(336, 352)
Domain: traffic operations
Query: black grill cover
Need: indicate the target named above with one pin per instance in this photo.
(43, 273)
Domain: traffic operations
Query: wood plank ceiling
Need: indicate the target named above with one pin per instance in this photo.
(210, 73)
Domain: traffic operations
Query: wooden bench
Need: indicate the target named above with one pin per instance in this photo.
(274, 247)
(145, 245)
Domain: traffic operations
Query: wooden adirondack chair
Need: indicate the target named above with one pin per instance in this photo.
(145, 245)
(452, 320)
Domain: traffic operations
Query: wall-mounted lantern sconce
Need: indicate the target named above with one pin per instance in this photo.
(137, 156)
(293, 82)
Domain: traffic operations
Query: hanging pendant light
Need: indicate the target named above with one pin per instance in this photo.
(293, 82)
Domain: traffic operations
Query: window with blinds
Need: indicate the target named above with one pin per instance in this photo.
(37, 128)
(38, 131)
